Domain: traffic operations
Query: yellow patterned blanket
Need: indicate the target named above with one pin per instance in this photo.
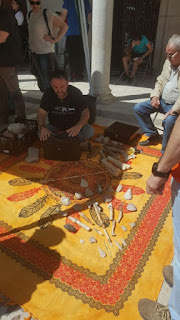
(56, 274)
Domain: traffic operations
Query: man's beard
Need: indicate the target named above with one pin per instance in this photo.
(62, 95)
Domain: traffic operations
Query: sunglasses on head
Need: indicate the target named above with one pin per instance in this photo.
(32, 3)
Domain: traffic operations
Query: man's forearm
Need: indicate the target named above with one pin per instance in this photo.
(61, 32)
(58, 22)
(85, 115)
(171, 155)
(41, 120)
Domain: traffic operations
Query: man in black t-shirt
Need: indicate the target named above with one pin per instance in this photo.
(67, 110)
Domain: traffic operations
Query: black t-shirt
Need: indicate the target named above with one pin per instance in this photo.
(10, 51)
(63, 114)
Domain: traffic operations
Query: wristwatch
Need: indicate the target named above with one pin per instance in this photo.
(159, 173)
(42, 126)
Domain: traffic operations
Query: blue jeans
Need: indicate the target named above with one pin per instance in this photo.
(142, 112)
(174, 301)
(85, 133)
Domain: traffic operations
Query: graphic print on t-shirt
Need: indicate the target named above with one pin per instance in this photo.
(63, 110)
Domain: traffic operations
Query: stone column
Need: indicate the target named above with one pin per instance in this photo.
(102, 17)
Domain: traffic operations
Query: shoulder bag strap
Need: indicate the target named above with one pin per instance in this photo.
(46, 21)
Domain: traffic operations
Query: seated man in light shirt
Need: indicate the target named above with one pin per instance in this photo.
(165, 98)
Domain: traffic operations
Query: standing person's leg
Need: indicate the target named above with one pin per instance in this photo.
(8, 74)
(168, 124)
(70, 53)
(174, 304)
(3, 102)
(143, 110)
(126, 60)
(79, 62)
(45, 69)
(38, 72)
(136, 64)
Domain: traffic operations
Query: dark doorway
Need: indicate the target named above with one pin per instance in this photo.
(129, 17)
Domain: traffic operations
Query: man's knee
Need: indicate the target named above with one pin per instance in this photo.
(86, 132)
(90, 132)
(126, 59)
(169, 121)
(138, 107)
(143, 107)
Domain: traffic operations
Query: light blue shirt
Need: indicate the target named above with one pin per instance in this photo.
(171, 91)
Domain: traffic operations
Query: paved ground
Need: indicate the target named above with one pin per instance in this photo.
(120, 110)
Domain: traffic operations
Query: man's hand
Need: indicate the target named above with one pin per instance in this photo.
(3, 36)
(49, 38)
(74, 130)
(155, 102)
(45, 134)
(155, 185)
(170, 112)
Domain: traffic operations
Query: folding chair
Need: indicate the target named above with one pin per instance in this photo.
(145, 66)
(130, 65)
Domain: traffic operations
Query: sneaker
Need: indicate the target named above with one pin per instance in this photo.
(151, 310)
(168, 275)
(156, 139)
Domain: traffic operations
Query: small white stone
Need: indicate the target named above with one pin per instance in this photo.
(131, 207)
(101, 252)
(124, 228)
(78, 195)
(81, 241)
(84, 183)
(65, 201)
(92, 240)
(119, 188)
(132, 224)
(128, 195)
(125, 166)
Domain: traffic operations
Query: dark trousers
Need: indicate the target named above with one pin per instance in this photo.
(75, 52)
(42, 66)
(9, 77)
